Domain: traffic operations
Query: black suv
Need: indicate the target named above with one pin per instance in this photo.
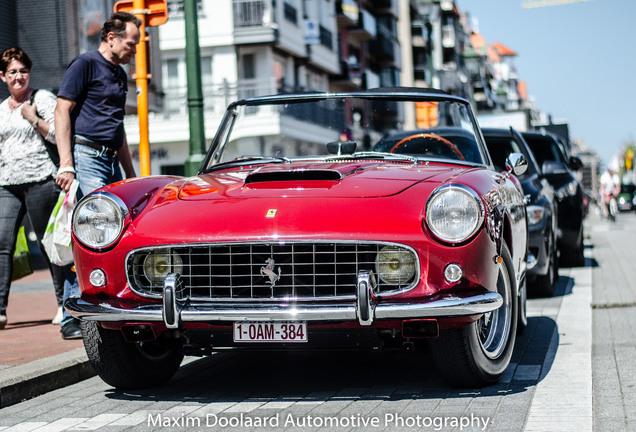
(560, 170)
(541, 209)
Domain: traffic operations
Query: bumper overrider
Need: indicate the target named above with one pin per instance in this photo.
(366, 310)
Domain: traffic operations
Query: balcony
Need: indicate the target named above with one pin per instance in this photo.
(447, 5)
(316, 114)
(347, 13)
(383, 47)
(366, 29)
(253, 21)
(351, 78)
(216, 96)
(448, 36)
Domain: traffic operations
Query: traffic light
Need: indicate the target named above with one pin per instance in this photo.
(155, 12)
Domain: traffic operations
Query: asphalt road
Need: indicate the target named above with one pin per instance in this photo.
(572, 369)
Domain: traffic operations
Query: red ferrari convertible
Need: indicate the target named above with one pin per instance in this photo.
(368, 220)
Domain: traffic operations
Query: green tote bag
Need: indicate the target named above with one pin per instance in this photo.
(22, 265)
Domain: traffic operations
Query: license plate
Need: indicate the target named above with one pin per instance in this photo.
(270, 332)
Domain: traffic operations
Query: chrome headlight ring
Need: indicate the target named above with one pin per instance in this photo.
(99, 220)
(454, 213)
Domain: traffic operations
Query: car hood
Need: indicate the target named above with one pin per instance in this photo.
(319, 180)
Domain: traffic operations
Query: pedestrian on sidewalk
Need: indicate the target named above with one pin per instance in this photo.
(27, 173)
(89, 122)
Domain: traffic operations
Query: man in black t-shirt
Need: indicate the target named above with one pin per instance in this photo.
(89, 120)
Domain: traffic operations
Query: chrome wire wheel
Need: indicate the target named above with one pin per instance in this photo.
(494, 327)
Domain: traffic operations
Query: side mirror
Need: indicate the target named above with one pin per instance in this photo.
(341, 147)
(576, 163)
(516, 164)
(554, 167)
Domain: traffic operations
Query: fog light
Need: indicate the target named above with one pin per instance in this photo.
(159, 263)
(97, 278)
(395, 265)
(453, 273)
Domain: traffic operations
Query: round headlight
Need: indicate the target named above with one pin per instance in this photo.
(454, 213)
(98, 220)
(394, 265)
(160, 263)
(535, 214)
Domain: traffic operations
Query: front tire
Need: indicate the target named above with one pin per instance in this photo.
(575, 256)
(544, 285)
(130, 365)
(478, 354)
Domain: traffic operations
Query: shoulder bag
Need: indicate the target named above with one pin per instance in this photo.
(51, 148)
(22, 265)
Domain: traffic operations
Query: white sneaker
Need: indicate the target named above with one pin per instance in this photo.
(58, 316)
(3, 321)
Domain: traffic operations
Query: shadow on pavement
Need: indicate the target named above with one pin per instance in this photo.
(344, 375)
(24, 324)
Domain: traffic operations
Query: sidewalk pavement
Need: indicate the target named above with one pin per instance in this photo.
(34, 359)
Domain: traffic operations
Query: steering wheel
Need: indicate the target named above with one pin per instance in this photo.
(444, 141)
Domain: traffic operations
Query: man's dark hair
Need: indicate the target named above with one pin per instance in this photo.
(117, 24)
(11, 54)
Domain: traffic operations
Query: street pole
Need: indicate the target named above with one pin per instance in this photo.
(195, 93)
(141, 76)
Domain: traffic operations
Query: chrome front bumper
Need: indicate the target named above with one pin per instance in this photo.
(365, 310)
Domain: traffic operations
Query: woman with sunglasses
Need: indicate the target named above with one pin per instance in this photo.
(27, 173)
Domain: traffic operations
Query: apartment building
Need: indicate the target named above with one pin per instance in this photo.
(257, 47)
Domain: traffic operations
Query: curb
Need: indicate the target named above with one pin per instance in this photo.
(29, 380)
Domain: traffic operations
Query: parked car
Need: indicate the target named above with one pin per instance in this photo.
(288, 238)
(541, 209)
(560, 171)
(627, 197)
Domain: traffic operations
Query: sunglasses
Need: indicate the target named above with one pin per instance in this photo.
(120, 79)
(11, 73)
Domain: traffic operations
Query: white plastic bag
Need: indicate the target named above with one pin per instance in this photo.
(57, 237)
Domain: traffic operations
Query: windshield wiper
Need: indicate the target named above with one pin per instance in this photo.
(248, 160)
(372, 155)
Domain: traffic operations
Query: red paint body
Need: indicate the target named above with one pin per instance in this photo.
(375, 200)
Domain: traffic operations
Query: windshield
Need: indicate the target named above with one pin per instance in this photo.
(344, 127)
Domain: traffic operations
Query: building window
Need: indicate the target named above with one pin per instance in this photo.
(206, 71)
(326, 38)
(249, 66)
(290, 13)
(207, 83)
(175, 93)
(175, 8)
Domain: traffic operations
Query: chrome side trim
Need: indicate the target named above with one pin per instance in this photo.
(444, 306)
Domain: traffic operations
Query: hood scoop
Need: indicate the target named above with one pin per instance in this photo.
(295, 175)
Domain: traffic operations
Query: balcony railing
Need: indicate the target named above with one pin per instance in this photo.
(382, 48)
(249, 13)
(217, 96)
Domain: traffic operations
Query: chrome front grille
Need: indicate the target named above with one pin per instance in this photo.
(263, 271)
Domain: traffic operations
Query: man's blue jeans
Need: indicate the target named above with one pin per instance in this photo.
(92, 170)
